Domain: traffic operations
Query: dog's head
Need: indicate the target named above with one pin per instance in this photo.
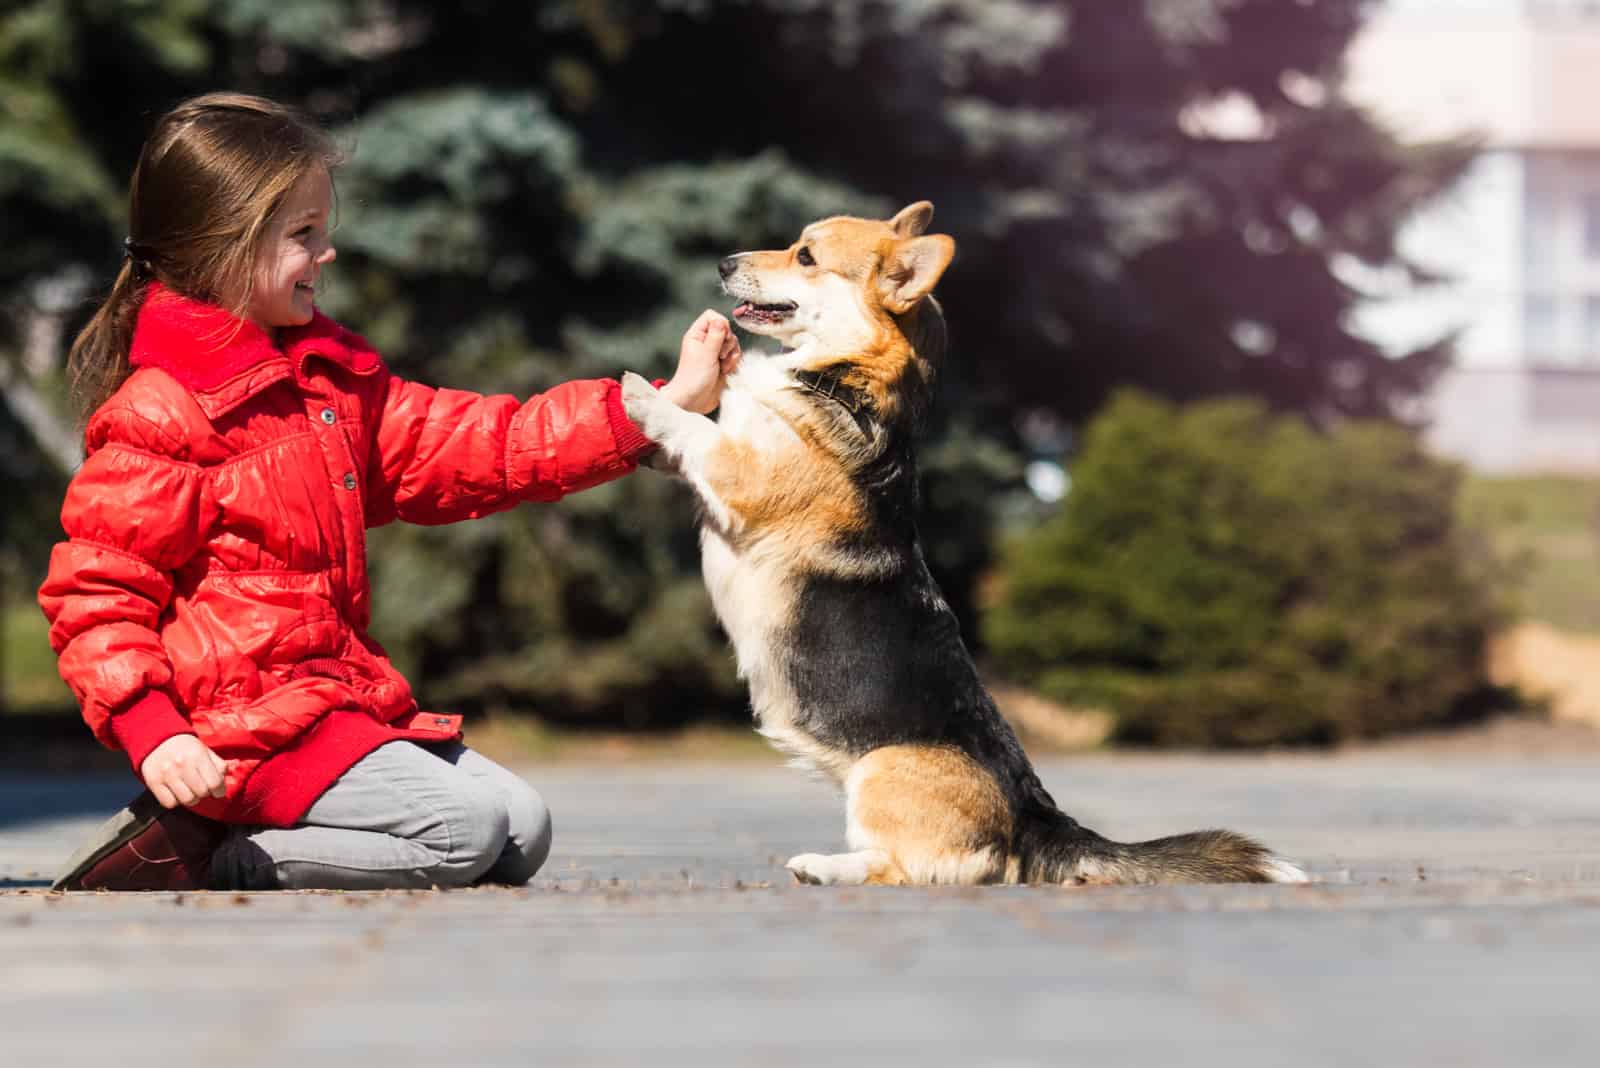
(843, 285)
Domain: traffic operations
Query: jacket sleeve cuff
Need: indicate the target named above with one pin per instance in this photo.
(146, 722)
(631, 442)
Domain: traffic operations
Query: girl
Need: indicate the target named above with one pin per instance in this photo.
(210, 606)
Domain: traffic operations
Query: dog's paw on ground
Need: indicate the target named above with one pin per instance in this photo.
(810, 869)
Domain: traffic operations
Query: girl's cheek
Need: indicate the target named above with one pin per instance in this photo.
(266, 270)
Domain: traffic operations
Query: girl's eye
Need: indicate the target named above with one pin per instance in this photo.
(304, 231)
(804, 256)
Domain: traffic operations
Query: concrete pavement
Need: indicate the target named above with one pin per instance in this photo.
(1456, 921)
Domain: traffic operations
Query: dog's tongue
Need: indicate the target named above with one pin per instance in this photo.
(744, 307)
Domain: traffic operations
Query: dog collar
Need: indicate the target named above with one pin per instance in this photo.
(829, 385)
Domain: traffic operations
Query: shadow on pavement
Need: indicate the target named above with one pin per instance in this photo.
(31, 798)
(51, 768)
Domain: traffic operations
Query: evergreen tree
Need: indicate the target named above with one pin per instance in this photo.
(541, 191)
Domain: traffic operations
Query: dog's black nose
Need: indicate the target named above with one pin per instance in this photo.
(728, 266)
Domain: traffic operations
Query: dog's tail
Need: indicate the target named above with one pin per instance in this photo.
(1054, 849)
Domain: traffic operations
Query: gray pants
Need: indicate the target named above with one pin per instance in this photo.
(404, 817)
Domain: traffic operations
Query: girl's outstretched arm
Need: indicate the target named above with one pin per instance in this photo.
(442, 455)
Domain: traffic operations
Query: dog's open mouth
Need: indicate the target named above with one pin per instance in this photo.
(750, 312)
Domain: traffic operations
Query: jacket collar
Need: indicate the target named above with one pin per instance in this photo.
(223, 360)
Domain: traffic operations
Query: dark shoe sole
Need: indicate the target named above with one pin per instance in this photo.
(115, 833)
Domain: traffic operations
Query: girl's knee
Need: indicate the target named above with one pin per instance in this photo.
(480, 826)
(531, 834)
(532, 830)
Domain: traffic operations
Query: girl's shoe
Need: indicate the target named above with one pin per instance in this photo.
(146, 847)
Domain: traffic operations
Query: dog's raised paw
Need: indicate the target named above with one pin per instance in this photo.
(639, 397)
(653, 413)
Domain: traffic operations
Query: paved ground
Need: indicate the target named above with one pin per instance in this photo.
(1457, 922)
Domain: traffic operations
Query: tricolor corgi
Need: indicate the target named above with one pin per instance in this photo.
(807, 483)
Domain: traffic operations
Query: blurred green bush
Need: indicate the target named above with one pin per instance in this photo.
(1220, 575)
(540, 192)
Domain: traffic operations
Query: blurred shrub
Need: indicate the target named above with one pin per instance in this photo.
(1220, 575)
(540, 192)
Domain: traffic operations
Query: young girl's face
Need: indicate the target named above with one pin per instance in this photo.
(296, 248)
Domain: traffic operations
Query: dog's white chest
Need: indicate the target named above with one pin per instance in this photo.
(747, 587)
(754, 585)
(750, 600)
(744, 414)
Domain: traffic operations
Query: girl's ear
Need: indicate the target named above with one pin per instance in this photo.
(913, 220)
(913, 270)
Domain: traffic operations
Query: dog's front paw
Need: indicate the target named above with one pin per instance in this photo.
(646, 406)
(637, 394)
(811, 869)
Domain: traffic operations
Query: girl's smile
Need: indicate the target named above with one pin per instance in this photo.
(295, 248)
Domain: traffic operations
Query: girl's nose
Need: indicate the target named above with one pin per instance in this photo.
(329, 254)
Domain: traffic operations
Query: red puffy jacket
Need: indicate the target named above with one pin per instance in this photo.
(215, 576)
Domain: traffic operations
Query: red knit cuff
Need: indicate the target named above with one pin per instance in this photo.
(631, 442)
(146, 722)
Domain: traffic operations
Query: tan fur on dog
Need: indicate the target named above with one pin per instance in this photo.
(808, 486)
(939, 816)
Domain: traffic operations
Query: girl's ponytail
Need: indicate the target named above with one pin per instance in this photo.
(98, 360)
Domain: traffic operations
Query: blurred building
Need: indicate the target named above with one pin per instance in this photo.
(1520, 235)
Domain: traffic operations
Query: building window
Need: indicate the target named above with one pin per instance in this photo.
(1591, 329)
(1591, 223)
(1542, 220)
(1541, 327)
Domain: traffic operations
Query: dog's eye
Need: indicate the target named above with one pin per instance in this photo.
(804, 256)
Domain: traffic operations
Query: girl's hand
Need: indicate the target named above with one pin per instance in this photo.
(181, 771)
(709, 354)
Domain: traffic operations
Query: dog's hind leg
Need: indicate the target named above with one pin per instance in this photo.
(934, 813)
(868, 867)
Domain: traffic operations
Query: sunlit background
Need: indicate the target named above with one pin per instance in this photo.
(1271, 413)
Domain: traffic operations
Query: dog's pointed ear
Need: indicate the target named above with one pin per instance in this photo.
(913, 270)
(913, 219)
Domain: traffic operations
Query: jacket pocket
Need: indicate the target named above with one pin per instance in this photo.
(273, 721)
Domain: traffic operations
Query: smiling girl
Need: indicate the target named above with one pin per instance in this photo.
(210, 606)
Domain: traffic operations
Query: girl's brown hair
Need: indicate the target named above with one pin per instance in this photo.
(208, 180)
